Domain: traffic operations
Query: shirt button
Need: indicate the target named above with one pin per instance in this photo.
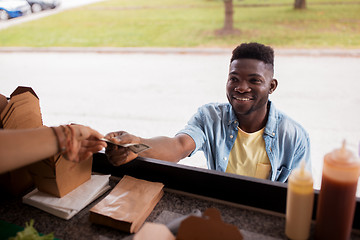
(273, 134)
(235, 122)
(225, 158)
(231, 136)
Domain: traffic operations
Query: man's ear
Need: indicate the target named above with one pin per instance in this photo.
(273, 85)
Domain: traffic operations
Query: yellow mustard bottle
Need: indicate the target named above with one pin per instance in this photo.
(337, 198)
(299, 204)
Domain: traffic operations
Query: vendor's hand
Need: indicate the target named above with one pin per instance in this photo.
(86, 143)
(120, 155)
(90, 143)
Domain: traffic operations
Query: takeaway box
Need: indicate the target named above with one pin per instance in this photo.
(54, 175)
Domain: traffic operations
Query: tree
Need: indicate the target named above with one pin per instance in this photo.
(228, 28)
(300, 4)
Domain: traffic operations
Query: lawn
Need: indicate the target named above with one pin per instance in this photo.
(186, 23)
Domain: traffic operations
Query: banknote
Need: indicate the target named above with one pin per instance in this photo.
(134, 147)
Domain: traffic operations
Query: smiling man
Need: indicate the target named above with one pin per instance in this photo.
(247, 136)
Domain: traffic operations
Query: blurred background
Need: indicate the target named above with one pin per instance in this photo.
(146, 66)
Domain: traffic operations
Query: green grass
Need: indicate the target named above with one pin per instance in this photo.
(190, 23)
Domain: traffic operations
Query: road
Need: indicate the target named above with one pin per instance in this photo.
(155, 94)
(65, 5)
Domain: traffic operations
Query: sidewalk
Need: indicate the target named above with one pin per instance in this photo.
(207, 51)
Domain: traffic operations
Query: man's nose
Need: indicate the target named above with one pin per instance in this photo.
(242, 87)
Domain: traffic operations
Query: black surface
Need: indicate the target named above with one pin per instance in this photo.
(257, 193)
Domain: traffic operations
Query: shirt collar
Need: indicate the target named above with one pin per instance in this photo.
(271, 122)
(270, 125)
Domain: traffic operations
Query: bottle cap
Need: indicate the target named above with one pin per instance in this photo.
(342, 164)
(343, 157)
(300, 180)
(301, 175)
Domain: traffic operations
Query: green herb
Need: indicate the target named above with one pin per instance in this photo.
(30, 233)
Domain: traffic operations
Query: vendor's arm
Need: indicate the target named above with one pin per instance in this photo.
(19, 148)
(171, 149)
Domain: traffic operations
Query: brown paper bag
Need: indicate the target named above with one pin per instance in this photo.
(128, 205)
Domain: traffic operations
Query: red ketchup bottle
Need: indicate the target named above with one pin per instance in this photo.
(337, 199)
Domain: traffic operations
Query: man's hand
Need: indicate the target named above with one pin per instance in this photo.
(120, 155)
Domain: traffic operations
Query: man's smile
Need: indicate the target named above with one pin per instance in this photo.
(242, 99)
(238, 98)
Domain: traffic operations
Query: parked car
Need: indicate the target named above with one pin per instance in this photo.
(13, 8)
(39, 5)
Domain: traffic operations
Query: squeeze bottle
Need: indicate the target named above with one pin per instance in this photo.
(337, 198)
(299, 204)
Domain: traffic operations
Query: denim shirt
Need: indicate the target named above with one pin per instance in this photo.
(214, 130)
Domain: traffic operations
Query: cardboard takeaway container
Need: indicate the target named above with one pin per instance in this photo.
(18, 181)
(58, 176)
(55, 175)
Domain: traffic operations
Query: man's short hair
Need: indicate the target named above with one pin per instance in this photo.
(254, 50)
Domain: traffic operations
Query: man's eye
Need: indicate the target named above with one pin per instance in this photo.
(255, 80)
(233, 79)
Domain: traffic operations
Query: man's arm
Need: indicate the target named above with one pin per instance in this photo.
(162, 148)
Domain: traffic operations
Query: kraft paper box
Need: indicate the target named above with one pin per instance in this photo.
(54, 175)
(3, 103)
(18, 181)
(58, 176)
(21, 111)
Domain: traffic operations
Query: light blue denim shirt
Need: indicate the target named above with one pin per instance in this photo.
(214, 130)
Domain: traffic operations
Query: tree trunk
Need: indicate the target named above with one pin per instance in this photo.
(228, 28)
(229, 11)
(300, 4)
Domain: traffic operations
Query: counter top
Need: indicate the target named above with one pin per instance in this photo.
(254, 206)
(253, 224)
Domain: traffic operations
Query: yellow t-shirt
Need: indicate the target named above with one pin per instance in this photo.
(248, 156)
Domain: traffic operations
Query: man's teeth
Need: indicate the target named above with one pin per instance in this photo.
(242, 99)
